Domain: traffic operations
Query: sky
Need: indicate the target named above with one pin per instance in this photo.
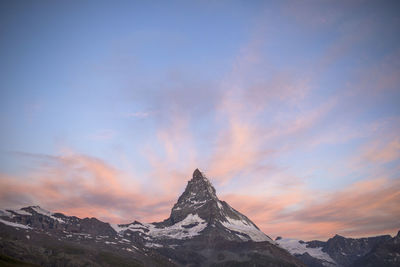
(290, 108)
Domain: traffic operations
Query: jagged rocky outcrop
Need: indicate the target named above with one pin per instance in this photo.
(347, 250)
(200, 231)
(32, 236)
(37, 218)
(341, 251)
(386, 253)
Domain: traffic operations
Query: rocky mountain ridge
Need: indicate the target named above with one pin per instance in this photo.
(341, 251)
(200, 231)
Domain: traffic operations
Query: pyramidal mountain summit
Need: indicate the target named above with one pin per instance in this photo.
(200, 212)
(222, 220)
(202, 230)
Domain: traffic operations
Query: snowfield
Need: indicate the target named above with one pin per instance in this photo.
(16, 225)
(176, 231)
(4, 213)
(46, 213)
(246, 228)
(22, 212)
(296, 248)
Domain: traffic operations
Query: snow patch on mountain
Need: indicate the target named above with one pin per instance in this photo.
(134, 227)
(118, 228)
(4, 213)
(246, 228)
(189, 227)
(296, 248)
(16, 225)
(153, 245)
(22, 212)
(46, 213)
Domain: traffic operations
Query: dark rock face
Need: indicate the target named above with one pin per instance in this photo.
(38, 218)
(310, 261)
(347, 250)
(199, 196)
(38, 248)
(95, 227)
(316, 244)
(30, 216)
(386, 253)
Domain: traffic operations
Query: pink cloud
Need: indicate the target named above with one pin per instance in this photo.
(243, 144)
(362, 209)
(84, 186)
(382, 152)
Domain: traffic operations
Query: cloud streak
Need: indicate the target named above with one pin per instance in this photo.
(138, 114)
(83, 186)
(364, 208)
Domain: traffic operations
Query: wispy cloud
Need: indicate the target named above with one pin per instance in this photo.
(84, 186)
(382, 152)
(138, 114)
(364, 208)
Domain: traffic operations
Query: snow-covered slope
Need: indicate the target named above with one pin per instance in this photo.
(16, 225)
(245, 230)
(47, 213)
(297, 247)
(189, 227)
(20, 212)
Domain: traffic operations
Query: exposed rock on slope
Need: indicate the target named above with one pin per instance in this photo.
(385, 253)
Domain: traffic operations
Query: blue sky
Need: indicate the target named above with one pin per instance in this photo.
(287, 103)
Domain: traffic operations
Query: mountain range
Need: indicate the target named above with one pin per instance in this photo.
(202, 230)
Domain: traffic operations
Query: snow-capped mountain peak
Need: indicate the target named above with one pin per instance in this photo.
(198, 192)
(200, 199)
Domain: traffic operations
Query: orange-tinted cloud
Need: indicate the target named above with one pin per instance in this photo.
(83, 186)
(382, 152)
(364, 208)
